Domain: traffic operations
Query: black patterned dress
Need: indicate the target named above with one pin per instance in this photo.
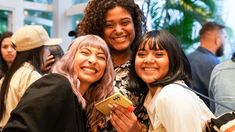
(121, 82)
(120, 85)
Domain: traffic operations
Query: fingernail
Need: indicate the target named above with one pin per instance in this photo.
(131, 108)
(115, 106)
(110, 106)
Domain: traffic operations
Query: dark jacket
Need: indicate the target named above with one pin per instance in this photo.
(202, 62)
(48, 105)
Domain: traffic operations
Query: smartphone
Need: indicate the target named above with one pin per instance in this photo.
(116, 98)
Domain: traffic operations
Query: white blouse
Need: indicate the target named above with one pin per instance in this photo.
(177, 109)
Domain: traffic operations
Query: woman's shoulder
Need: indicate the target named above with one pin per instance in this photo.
(27, 69)
(174, 88)
(176, 93)
(176, 97)
(55, 79)
(53, 84)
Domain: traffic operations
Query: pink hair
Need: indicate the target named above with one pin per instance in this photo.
(98, 90)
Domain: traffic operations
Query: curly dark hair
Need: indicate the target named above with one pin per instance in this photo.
(94, 17)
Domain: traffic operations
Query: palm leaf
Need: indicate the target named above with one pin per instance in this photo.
(180, 16)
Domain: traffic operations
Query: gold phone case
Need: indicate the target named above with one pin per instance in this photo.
(116, 98)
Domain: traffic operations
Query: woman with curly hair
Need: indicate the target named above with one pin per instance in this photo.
(120, 23)
(63, 101)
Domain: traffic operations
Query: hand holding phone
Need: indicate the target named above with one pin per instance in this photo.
(116, 98)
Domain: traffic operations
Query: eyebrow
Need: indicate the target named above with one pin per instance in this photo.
(125, 18)
(85, 48)
(128, 18)
(99, 52)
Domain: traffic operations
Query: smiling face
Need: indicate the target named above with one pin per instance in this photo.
(151, 65)
(8, 51)
(119, 31)
(89, 64)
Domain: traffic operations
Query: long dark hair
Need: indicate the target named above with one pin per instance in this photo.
(33, 57)
(179, 68)
(3, 63)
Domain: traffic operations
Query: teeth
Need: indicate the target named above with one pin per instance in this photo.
(149, 69)
(120, 39)
(90, 70)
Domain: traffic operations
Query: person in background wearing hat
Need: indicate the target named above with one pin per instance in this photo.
(52, 53)
(25, 69)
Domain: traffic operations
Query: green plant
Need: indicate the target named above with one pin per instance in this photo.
(181, 17)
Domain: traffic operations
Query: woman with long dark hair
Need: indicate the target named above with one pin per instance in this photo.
(161, 68)
(7, 53)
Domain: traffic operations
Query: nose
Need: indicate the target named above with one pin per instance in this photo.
(119, 29)
(149, 59)
(92, 59)
(10, 49)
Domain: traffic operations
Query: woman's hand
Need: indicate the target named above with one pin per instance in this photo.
(46, 66)
(124, 120)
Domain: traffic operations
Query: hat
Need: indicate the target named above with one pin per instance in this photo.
(54, 41)
(31, 37)
(72, 33)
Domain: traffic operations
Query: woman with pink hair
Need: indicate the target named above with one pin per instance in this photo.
(64, 100)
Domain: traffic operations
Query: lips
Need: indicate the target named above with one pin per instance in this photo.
(149, 69)
(119, 39)
(9, 56)
(90, 70)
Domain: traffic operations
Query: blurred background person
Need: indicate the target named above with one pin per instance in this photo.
(29, 42)
(205, 57)
(7, 53)
(222, 86)
(52, 53)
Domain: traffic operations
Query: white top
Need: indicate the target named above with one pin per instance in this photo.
(20, 81)
(177, 109)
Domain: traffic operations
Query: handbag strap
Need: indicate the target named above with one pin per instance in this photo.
(210, 99)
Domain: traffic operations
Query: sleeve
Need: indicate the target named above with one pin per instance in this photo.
(177, 110)
(222, 87)
(41, 105)
(211, 90)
